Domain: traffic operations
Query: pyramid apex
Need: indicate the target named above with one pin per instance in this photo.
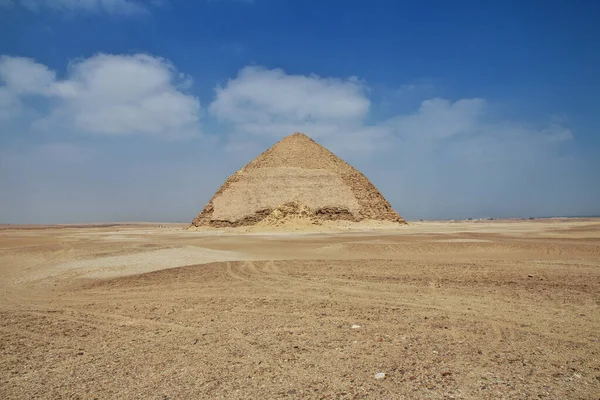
(296, 139)
(297, 135)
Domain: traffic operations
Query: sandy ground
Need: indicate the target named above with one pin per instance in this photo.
(463, 310)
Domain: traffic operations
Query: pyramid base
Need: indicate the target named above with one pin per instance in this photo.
(295, 211)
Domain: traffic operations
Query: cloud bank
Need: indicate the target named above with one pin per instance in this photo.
(261, 102)
(104, 94)
(444, 159)
(114, 7)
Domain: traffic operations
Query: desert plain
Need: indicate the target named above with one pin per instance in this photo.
(439, 310)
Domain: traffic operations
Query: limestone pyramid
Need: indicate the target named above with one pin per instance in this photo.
(296, 176)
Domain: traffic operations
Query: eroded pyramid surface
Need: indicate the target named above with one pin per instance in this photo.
(298, 171)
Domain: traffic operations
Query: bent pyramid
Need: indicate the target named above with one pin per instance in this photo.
(296, 175)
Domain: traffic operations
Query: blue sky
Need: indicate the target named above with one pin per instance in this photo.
(122, 110)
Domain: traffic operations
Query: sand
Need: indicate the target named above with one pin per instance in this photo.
(464, 310)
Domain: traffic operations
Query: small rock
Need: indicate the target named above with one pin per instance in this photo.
(380, 375)
(530, 276)
(577, 376)
(354, 326)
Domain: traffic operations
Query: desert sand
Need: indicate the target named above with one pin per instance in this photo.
(440, 310)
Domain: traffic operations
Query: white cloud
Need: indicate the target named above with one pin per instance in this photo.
(10, 105)
(271, 102)
(557, 133)
(115, 7)
(106, 94)
(24, 76)
(20, 76)
(466, 120)
(440, 118)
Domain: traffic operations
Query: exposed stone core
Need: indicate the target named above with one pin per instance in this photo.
(296, 176)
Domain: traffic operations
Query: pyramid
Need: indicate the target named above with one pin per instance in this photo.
(296, 175)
